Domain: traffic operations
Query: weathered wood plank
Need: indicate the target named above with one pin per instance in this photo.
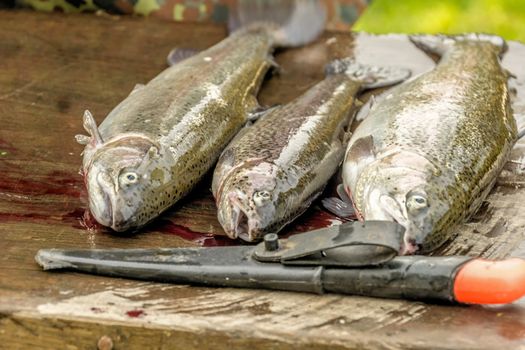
(54, 66)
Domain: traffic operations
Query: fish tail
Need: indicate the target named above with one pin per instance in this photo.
(291, 23)
(370, 76)
(439, 44)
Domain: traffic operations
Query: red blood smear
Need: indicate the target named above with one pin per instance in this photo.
(71, 185)
(81, 218)
(23, 217)
(203, 239)
(314, 219)
(55, 183)
(135, 313)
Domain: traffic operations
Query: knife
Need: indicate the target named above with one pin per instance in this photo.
(357, 258)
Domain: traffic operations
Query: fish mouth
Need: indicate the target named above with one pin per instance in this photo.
(102, 202)
(388, 208)
(241, 224)
(410, 246)
(394, 211)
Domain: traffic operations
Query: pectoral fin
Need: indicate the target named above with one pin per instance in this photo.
(342, 194)
(365, 109)
(260, 112)
(339, 207)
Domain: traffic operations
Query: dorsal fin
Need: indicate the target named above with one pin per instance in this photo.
(91, 127)
(179, 54)
(370, 76)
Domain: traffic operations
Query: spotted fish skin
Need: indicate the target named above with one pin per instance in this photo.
(273, 170)
(429, 150)
(153, 148)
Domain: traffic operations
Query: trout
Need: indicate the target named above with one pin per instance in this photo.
(156, 145)
(273, 170)
(429, 150)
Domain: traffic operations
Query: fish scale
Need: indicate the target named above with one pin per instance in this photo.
(154, 147)
(293, 140)
(450, 130)
(273, 170)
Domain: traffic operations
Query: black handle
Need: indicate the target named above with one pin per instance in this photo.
(405, 277)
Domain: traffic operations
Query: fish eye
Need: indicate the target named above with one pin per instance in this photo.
(262, 194)
(416, 202)
(129, 178)
(419, 200)
(261, 197)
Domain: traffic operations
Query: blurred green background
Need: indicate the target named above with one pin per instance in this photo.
(503, 17)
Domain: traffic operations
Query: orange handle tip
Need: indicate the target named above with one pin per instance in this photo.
(482, 281)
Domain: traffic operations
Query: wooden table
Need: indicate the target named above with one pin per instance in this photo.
(54, 66)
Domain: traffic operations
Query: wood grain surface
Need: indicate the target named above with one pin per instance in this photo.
(52, 67)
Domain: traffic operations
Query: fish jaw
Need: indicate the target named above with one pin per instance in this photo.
(99, 193)
(104, 203)
(384, 207)
(238, 219)
(394, 193)
(390, 208)
(246, 203)
(245, 216)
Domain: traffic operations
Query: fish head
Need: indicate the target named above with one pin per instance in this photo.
(119, 180)
(247, 202)
(403, 194)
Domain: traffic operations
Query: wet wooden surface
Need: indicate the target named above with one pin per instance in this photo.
(52, 67)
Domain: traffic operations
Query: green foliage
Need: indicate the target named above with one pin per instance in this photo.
(502, 17)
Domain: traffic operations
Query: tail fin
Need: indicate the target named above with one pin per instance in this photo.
(371, 76)
(439, 44)
(293, 22)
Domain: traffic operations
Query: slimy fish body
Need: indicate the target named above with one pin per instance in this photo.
(153, 148)
(272, 171)
(429, 150)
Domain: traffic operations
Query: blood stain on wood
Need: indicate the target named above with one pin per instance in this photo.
(202, 239)
(135, 313)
